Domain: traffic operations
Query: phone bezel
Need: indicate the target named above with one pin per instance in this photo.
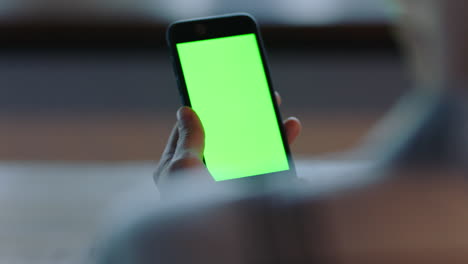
(217, 27)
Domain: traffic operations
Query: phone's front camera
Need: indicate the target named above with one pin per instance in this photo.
(200, 29)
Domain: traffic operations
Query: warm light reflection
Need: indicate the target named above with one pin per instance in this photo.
(266, 11)
(281, 11)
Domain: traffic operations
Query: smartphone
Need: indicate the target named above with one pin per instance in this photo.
(222, 73)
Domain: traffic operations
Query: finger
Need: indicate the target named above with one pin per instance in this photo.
(168, 152)
(172, 142)
(292, 127)
(191, 134)
(278, 98)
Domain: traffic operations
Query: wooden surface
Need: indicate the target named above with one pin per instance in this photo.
(142, 136)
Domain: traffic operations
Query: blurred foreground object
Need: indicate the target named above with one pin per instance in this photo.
(404, 216)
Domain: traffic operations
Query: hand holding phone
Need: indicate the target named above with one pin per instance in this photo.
(223, 75)
(185, 152)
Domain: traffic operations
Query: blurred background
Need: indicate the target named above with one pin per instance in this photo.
(88, 97)
(92, 80)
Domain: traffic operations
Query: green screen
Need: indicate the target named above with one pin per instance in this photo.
(228, 89)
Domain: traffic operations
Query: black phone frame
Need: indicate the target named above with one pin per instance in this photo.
(217, 27)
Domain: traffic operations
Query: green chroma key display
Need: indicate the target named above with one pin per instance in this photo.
(228, 89)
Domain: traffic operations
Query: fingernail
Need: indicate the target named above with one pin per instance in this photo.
(294, 118)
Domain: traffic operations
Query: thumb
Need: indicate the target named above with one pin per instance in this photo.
(191, 134)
